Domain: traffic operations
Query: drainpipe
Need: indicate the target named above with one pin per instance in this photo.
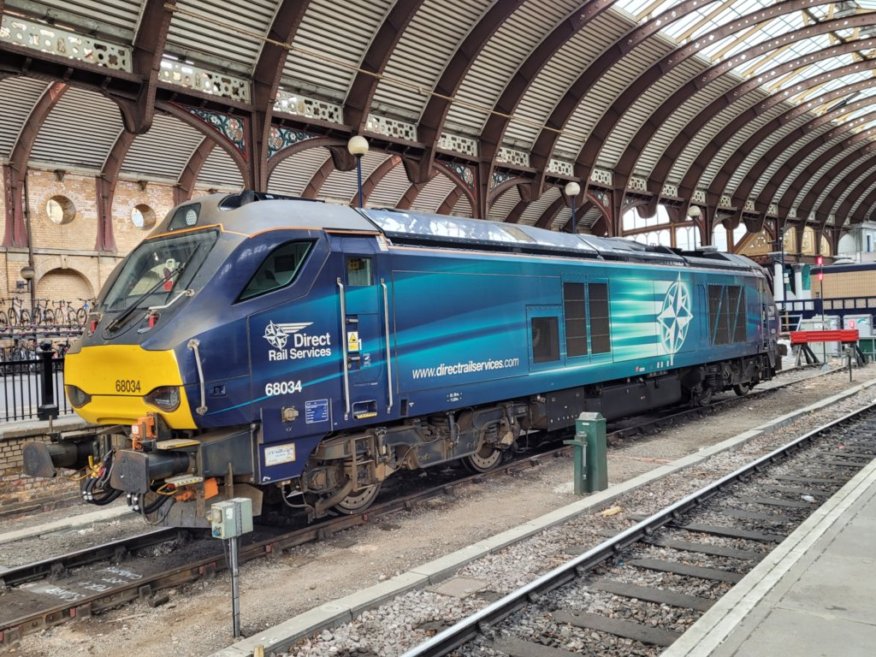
(32, 282)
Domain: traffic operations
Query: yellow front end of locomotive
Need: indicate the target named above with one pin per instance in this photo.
(117, 384)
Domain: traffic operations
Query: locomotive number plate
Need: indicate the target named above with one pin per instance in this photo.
(128, 385)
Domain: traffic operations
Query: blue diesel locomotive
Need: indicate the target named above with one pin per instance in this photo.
(298, 352)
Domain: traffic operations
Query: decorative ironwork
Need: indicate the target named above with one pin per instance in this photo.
(458, 144)
(601, 176)
(670, 190)
(499, 177)
(513, 156)
(310, 108)
(561, 168)
(637, 184)
(230, 127)
(463, 172)
(200, 79)
(64, 43)
(284, 138)
(381, 125)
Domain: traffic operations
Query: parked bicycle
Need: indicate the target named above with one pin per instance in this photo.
(41, 314)
(16, 314)
(66, 313)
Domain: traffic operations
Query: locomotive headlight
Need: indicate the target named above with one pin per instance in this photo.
(166, 398)
(78, 397)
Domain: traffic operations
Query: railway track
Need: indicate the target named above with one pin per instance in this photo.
(636, 593)
(77, 585)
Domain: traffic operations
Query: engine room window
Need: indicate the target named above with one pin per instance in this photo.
(727, 315)
(359, 272)
(278, 270)
(545, 339)
(600, 321)
(737, 300)
(575, 319)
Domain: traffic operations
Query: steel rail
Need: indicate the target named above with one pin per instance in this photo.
(83, 607)
(18, 575)
(37, 570)
(468, 628)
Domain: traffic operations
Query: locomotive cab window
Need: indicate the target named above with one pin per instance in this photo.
(359, 272)
(278, 270)
(157, 268)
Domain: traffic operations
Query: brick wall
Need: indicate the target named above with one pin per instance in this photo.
(158, 198)
(66, 263)
(67, 267)
(846, 284)
(19, 493)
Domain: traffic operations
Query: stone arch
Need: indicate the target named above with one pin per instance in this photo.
(64, 284)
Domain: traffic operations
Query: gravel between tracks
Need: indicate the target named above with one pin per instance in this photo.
(196, 621)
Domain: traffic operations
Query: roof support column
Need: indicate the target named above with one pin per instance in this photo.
(484, 175)
(13, 185)
(105, 192)
(138, 113)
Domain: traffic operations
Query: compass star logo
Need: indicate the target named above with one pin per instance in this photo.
(675, 316)
(278, 334)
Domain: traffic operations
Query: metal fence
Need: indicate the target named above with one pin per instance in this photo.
(33, 388)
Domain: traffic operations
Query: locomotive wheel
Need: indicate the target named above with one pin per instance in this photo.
(701, 396)
(486, 458)
(359, 500)
(742, 389)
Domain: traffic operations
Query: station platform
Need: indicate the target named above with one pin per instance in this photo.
(811, 597)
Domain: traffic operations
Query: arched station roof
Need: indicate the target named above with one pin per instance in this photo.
(748, 110)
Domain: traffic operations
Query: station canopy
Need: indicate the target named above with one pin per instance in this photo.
(722, 113)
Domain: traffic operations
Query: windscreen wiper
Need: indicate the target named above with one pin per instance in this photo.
(118, 321)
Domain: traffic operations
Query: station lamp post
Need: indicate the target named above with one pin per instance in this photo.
(572, 189)
(358, 146)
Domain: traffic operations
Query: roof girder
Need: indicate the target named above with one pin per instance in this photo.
(785, 144)
(189, 177)
(148, 47)
(364, 85)
(858, 204)
(864, 171)
(547, 217)
(593, 146)
(709, 113)
(499, 118)
(702, 161)
(546, 141)
(587, 156)
(379, 173)
(265, 83)
(438, 106)
(450, 202)
(768, 192)
(808, 204)
(16, 172)
(811, 171)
